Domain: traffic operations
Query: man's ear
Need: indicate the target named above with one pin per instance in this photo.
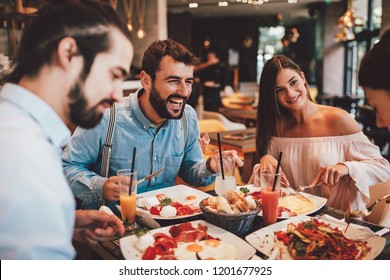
(146, 80)
(66, 50)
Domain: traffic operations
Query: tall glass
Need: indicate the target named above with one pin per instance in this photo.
(127, 182)
(269, 196)
(229, 181)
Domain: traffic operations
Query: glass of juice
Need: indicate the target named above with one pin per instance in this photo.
(127, 182)
(269, 196)
(228, 181)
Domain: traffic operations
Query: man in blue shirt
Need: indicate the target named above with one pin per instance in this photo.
(150, 120)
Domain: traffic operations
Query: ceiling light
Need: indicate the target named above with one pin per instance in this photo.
(223, 4)
(193, 5)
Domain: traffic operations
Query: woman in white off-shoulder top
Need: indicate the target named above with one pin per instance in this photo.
(321, 144)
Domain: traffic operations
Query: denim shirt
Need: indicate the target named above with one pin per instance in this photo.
(156, 149)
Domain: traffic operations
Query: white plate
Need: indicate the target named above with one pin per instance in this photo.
(318, 201)
(263, 239)
(244, 250)
(176, 193)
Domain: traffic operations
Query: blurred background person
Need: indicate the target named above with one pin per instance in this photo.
(321, 144)
(213, 74)
(374, 78)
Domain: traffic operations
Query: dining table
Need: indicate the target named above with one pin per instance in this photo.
(110, 249)
(246, 115)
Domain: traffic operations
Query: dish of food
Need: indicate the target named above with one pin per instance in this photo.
(291, 205)
(304, 237)
(171, 203)
(187, 241)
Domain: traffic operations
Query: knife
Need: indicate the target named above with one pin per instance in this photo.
(150, 176)
(147, 220)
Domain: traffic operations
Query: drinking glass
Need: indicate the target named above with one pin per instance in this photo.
(229, 181)
(127, 182)
(269, 196)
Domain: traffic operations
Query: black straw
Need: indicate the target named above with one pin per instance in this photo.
(277, 171)
(132, 169)
(220, 156)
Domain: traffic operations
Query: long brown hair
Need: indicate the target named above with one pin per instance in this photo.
(269, 111)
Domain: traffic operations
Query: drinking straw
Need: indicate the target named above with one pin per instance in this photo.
(132, 169)
(220, 156)
(277, 171)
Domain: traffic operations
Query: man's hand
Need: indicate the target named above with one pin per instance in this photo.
(230, 153)
(94, 226)
(111, 189)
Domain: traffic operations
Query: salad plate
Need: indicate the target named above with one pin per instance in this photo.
(182, 194)
(266, 241)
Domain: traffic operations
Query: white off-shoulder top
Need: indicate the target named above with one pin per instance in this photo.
(302, 158)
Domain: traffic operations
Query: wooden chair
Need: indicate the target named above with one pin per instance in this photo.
(381, 213)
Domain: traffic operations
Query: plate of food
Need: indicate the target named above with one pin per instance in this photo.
(196, 240)
(171, 203)
(290, 204)
(304, 237)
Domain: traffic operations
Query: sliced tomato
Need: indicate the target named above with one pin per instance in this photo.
(157, 236)
(155, 210)
(280, 235)
(176, 204)
(149, 254)
(165, 244)
(184, 210)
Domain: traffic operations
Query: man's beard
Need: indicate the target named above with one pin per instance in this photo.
(161, 105)
(80, 114)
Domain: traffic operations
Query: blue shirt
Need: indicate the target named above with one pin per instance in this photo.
(156, 149)
(37, 207)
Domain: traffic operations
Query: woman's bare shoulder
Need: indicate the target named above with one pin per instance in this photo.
(341, 122)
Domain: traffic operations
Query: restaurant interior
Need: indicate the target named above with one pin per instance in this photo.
(327, 38)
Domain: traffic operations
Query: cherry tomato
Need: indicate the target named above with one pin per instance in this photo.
(155, 210)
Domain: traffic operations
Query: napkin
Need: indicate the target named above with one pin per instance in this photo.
(354, 231)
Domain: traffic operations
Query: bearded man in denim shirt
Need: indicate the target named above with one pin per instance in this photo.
(151, 121)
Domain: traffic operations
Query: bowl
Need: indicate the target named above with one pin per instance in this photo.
(238, 224)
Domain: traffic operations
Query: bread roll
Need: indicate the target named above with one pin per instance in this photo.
(242, 206)
(250, 202)
(232, 196)
(223, 206)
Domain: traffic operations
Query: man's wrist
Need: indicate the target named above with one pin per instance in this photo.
(208, 165)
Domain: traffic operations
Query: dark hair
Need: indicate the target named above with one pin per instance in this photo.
(88, 22)
(269, 111)
(158, 49)
(374, 71)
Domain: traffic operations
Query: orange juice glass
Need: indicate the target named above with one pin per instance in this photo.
(269, 197)
(127, 182)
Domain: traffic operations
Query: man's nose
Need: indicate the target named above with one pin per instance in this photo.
(117, 93)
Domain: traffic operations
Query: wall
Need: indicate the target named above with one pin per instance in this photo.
(385, 15)
(333, 53)
(155, 26)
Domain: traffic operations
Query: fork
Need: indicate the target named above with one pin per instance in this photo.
(302, 188)
(367, 211)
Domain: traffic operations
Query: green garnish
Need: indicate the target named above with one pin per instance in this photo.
(244, 190)
(166, 201)
(139, 231)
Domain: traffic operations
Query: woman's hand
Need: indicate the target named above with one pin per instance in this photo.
(94, 226)
(330, 175)
(267, 162)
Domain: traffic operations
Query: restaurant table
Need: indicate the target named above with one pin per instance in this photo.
(110, 250)
(247, 116)
(246, 148)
